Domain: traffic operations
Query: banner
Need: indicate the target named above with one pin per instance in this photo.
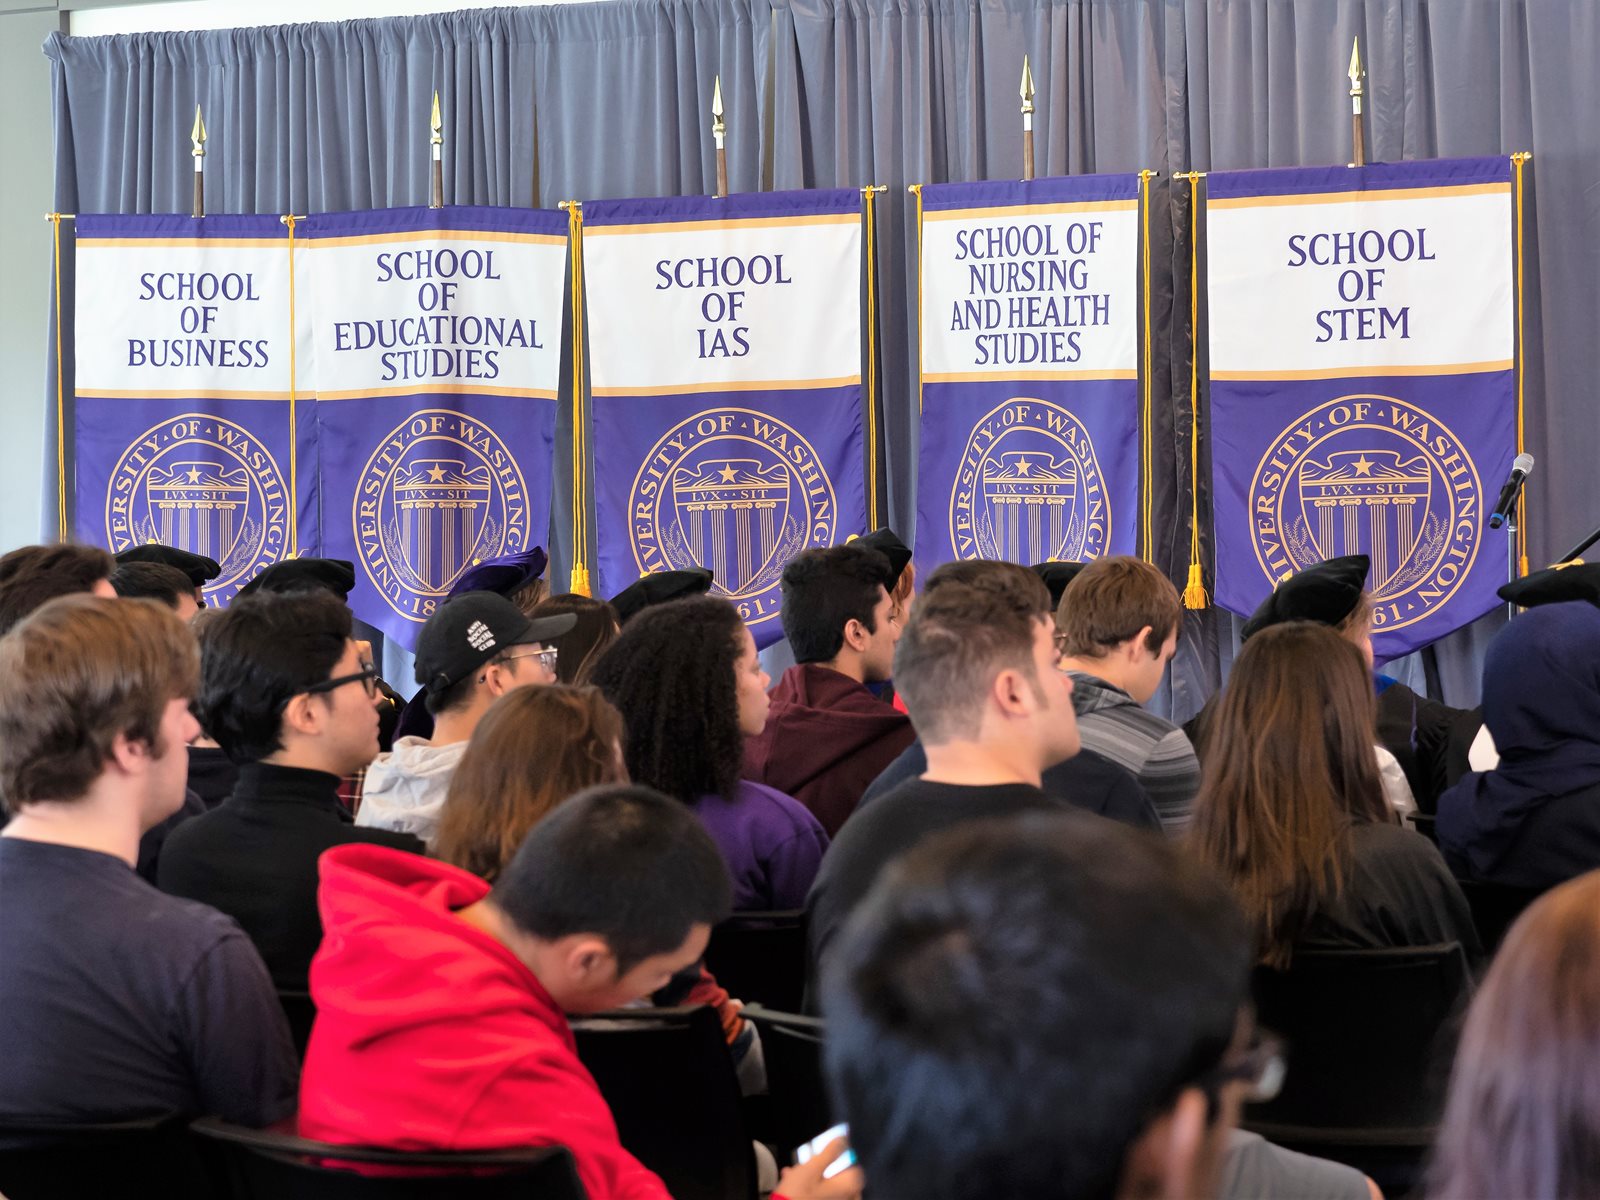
(1363, 383)
(725, 361)
(437, 337)
(1029, 350)
(184, 429)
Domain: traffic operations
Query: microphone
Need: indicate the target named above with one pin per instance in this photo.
(1521, 468)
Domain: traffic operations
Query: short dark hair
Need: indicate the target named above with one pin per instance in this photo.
(151, 581)
(626, 863)
(1111, 600)
(257, 655)
(960, 636)
(1122, 968)
(30, 575)
(824, 589)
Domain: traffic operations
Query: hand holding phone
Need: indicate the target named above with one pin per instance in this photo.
(825, 1171)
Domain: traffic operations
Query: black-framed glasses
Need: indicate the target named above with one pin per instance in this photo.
(368, 675)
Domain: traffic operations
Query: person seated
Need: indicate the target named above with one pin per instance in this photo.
(198, 569)
(827, 736)
(442, 1002)
(158, 582)
(31, 575)
(1292, 812)
(286, 693)
(473, 650)
(977, 668)
(595, 626)
(1118, 619)
(1054, 1005)
(1534, 820)
(116, 1002)
(1521, 1117)
(660, 587)
(690, 688)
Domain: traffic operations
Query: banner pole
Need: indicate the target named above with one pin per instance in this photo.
(1147, 416)
(1358, 138)
(1194, 592)
(62, 532)
(197, 138)
(868, 198)
(579, 581)
(289, 220)
(916, 190)
(436, 143)
(1520, 564)
(1026, 92)
(719, 132)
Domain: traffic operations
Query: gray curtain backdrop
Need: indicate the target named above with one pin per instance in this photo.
(610, 99)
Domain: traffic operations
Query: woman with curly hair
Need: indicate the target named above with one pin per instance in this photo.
(690, 688)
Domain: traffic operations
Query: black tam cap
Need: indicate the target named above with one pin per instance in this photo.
(504, 574)
(658, 589)
(200, 569)
(336, 575)
(1056, 576)
(887, 543)
(1555, 585)
(1326, 593)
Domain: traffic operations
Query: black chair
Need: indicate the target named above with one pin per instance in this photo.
(799, 1107)
(1426, 824)
(1370, 1036)
(760, 957)
(1495, 908)
(260, 1164)
(302, 1014)
(669, 1079)
(153, 1159)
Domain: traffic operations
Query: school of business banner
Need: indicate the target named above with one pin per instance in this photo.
(725, 367)
(1030, 392)
(1362, 383)
(183, 426)
(437, 340)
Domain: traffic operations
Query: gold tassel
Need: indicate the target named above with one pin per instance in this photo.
(579, 584)
(1522, 565)
(1194, 595)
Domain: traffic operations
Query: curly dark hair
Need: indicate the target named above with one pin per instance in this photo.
(671, 675)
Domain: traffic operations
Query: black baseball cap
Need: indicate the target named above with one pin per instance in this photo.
(469, 630)
(1325, 592)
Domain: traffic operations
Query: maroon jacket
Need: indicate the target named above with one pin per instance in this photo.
(827, 738)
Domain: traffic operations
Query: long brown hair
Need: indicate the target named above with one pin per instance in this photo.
(533, 748)
(1523, 1117)
(1290, 767)
(581, 646)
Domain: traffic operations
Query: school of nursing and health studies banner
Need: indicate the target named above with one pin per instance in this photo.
(1029, 362)
(437, 337)
(183, 431)
(725, 355)
(1362, 383)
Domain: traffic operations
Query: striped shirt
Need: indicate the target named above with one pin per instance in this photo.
(1153, 749)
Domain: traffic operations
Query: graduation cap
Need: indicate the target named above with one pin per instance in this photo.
(658, 588)
(1326, 593)
(1056, 575)
(502, 575)
(887, 543)
(336, 575)
(200, 569)
(1555, 585)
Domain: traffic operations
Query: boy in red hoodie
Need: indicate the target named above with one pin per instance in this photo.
(441, 1005)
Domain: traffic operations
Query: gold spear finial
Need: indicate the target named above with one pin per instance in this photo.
(1026, 90)
(197, 135)
(1355, 71)
(436, 124)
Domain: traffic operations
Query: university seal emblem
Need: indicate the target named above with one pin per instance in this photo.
(1029, 488)
(206, 485)
(440, 490)
(736, 491)
(1373, 475)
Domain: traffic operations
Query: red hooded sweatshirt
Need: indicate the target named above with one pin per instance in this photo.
(432, 1035)
(827, 738)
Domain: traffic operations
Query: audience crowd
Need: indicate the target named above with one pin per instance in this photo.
(1038, 916)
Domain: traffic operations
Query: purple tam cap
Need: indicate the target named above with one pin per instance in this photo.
(502, 575)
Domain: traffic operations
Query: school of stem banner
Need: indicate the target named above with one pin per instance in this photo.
(1362, 383)
(436, 335)
(725, 355)
(184, 429)
(1029, 360)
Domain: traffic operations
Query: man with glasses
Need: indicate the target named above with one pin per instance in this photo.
(477, 647)
(291, 698)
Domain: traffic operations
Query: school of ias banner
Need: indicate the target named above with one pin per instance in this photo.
(437, 340)
(184, 429)
(1362, 383)
(1029, 353)
(725, 365)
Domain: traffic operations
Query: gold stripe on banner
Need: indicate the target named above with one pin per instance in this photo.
(1041, 210)
(1367, 197)
(1359, 372)
(63, 534)
(715, 226)
(868, 196)
(452, 389)
(1025, 376)
(916, 190)
(1518, 161)
(94, 393)
(760, 385)
(1147, 416)
(437, 235)
(294, 430)
(1194, 591)
(578, 582)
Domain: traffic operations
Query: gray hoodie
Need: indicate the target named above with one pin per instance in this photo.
(405, 788)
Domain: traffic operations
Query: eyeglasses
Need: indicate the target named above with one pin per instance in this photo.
(368, 675)
(547, 657)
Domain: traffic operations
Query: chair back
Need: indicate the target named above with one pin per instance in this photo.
(760, 958)
(302, 1014)
(1427, 824)
(152, 1159)
(670, 1081)
(799, 1106)
(262, 1164)
(1495, 908)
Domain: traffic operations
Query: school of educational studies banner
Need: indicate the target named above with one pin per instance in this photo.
(725, 362)
(1362, 383)
(183, 427)
(437, 337)
(1030, 392)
